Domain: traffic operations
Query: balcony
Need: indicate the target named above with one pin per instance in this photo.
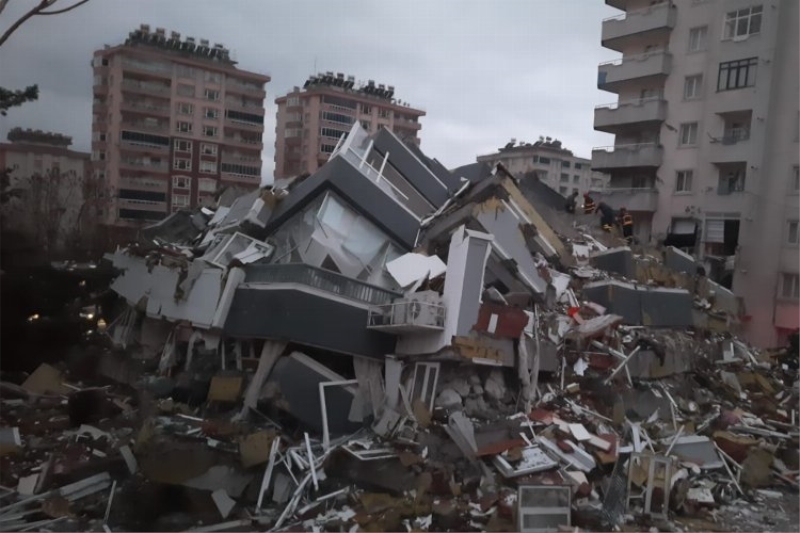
(617, 117)
(651, 23)
(136, 164)
(245, 88)
(240, 159)
(244, 142)
(243, 125)
(140, 125)
(627, 156)
(320, 279)
(410, 124)
(247, 107)
(732, 147)
(619, 4)
(632, 199)
(146, 88)
(148, 68)
(149, 109)
(407, 316)
(614, 75)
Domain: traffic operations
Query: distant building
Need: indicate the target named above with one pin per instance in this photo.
(705, 152)
(554, 165)
(173, 121)
(49, 210)
(311, 120)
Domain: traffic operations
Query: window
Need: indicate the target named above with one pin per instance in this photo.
(181, 182)
(562, 191)
(210, 112)
(365, 124)
(211, 94)
(795, 179)
(683, 181)
(185, 72)
(692, 86)
(542, 160)
(180, 200)
(208, 167)
(183, 127)
(206, 185)
(688, 134)
(337, 117)
(574, 189)
(208, 149)
(327, 148)
(790, 286)
(185, 108)
(383, 113)
(576, 179)
(565, 164)
(791, 236)
(209, 131)
(697, 38)
(741, 23)
(731, 182)
(366, 109)
(185, 90)
(212, 77)
(294, 101)
(244, 170)
(578, 166)
(330, 132)
(183, 146)
(564, 178)
(737, 74)
(182, 164)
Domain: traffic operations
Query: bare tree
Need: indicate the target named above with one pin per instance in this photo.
(40, 9)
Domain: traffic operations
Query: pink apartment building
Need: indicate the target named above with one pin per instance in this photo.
(173, 122)
(311, 120)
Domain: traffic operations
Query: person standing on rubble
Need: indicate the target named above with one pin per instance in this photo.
(606, 216)
(626, 222)
(588, 204)
(572, 200)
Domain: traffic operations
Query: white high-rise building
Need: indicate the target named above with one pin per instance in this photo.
(706, 141)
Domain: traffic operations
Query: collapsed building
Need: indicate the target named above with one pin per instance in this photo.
(386, 294)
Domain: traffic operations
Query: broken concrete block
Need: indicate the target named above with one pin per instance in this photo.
(223, 502)
(225, 389)
(254, 449)
(615, 260)
(756, 468)
(495, 387)
(448, 398)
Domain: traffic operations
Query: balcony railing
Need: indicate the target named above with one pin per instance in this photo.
(631, 198)
(144, 108)
(156, 88)
(611, 117)
(407, 314)
(657, 18)
(242, 140)
(735, 135)
(323, 280)
(138, 164)
(635, 67)
(627, 156)
(244, 87)
(161, 69)
(145, 126)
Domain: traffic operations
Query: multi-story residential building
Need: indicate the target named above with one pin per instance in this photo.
(47, 207)
(173, 121)
(553, 164)
(706, 131)
(311, 120)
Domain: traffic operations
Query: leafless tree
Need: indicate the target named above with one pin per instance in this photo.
(40, 9)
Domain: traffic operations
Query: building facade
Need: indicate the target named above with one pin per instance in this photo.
(173, 122)
(311, 120)
(47, 191)
(554, 165)
(706, 141)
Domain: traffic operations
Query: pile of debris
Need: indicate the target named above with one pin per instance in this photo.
(382, 346)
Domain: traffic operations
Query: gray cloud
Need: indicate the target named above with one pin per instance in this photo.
(483, 71)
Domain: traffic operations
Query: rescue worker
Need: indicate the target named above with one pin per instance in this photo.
(588, 204)
(606, 216)
(571, 201)
(626, 221)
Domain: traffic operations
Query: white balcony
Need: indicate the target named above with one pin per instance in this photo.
(613, 75)
(653, 23)
(644, 199)
(616, 117)
(407, 316)
(627, 156)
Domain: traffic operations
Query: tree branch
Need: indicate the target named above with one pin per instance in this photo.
(59, 11)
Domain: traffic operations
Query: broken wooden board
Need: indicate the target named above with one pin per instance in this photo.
(46, 379)
(254, 449)
(225, 389)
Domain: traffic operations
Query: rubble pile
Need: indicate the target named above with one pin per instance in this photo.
(383, 346)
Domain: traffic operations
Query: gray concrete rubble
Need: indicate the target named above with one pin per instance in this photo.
(385, 346)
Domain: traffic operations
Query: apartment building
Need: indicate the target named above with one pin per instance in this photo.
(311, 120)
(554, 165)
(49, 210)
(173, 121)
(706, 141)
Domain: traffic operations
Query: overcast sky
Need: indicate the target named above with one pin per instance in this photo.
(485, 71)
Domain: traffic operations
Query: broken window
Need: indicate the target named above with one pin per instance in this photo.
(544, 507)
(424, 387)
(237, 246)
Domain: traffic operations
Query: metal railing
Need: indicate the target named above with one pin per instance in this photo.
(619, 147)
(633, 102)
(150, 87)
(641, 11)
(320, 279)
(408, 313)
(636, 57)
(736, 135)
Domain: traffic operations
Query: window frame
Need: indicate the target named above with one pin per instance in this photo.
(688, 126)
(737, 67)
(203, 170)
(181, 123)
(730, 32)
(215, 113)
(701, 43)
(174, 197)
(792, 224)
(176, 163)
(697, 80)
(176, 180)
(181, 109)
(794, 286)
(794, 180)
(686, 175)
(177, 145)
(205, 131)
(208, 91)
(214, 152)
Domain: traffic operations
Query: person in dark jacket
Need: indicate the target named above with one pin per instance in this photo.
(626, 222)
(588, 204)
(571, 201)
(606, 216)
